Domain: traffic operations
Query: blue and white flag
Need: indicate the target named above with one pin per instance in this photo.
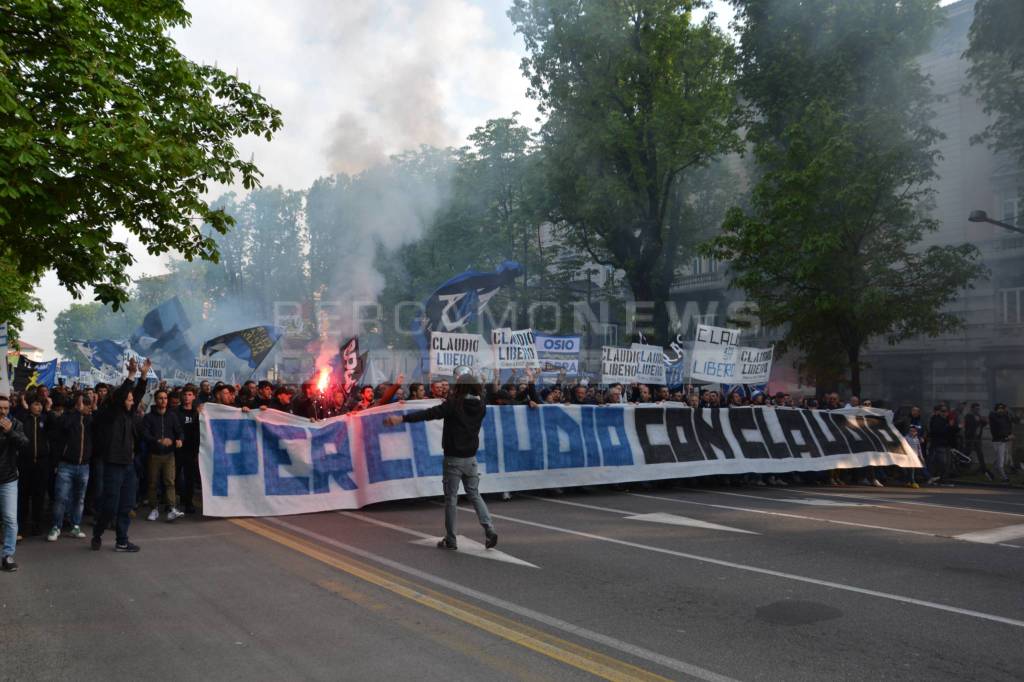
(459, 301)
(163, 330)
(102, 352)
(252, 344)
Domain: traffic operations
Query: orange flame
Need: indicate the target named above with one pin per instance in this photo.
(325, 376)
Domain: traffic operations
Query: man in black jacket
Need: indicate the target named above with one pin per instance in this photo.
(33, 468)
(974, 425)
(73, 435)
(943, 436)
(463, 413)
(162, 432)
(12, 439)
(116, 440)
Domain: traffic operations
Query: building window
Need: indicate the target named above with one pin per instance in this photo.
(1009, 308)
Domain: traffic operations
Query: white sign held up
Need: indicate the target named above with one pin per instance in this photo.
(210, 369)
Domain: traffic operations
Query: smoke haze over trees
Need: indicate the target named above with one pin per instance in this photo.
(634, 165)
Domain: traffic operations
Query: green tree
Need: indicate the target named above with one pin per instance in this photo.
(638, 96)
(996, 53)
(829, 249)
(104, 123)
(16, 297)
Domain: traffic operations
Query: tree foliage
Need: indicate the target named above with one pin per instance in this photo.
(996, 53)
(103, 123)
(639, 97)
(829, 249)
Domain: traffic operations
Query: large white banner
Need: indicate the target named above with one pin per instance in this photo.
(272, 463)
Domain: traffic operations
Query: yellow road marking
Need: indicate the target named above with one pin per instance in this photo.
(566, 652)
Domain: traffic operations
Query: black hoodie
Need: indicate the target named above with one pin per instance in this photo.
(462, 420)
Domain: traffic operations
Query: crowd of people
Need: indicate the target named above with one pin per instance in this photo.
(108, 451)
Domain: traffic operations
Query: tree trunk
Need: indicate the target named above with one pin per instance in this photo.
(646, 291)
(853, 354)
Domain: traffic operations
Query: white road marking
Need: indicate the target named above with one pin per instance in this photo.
(477, 549)
(793, 500)
(767, 571)
(910, 502)
(671, 519)
(995, 536)
(990, 501)
(466, 545)
(786, 515)
(675, 520)
(542, 618)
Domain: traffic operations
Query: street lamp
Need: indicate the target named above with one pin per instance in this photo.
(982, 217)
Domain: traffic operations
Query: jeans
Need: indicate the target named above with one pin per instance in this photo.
(119, 484)
(9, 515)
(999, 452)
(72, 480)
(161, 467)
(462, 470)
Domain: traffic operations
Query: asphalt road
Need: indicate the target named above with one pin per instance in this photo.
(681, 583)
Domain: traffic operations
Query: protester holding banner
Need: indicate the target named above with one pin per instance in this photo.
(463, 414)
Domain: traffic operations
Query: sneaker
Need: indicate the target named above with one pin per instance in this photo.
(988, 476)
(76, 532)
(9, 565)
(877, 483)
(95, 544)
(933, 480)
(492, 538)
(760, 483)
(53, 535)
(126, 547)
(173, 515)
(914, 485)
(444, 544)
(154, 514)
